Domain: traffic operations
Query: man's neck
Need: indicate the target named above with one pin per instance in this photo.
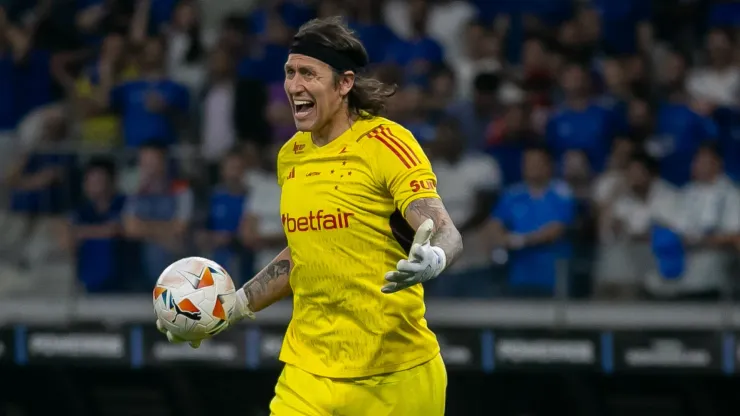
(341, 122)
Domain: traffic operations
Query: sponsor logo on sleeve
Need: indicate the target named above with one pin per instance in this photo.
(424, 184)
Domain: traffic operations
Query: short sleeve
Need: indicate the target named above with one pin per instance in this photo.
(403, 168)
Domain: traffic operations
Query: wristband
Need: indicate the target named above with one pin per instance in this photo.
(242, 305)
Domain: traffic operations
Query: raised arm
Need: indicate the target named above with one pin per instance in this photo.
(271, 284)
(444, 235)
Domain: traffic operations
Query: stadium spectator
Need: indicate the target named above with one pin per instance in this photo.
(626, 25)
(158, 215)
(42, 178)
(482, 55)
(640, 121)
(96, 230)
(415, 51)
(225, 209)
(610, 183)
(507, 138)
(188, 43)
(728, 138)
(100, 126)
(530, 221)
(219, 133)
(151, 106)
(718, 83)
(468, 182)
(617, 93)
(367, 21)
(261, 229)
(627, 211)
(440, 92)
(412, 112)
(680, 128)
(693, 247)
(28, 81)
(445, 22)
(475, 114)
(580, 123)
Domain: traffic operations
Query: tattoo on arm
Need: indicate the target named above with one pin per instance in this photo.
(269, 285)
(445, 235)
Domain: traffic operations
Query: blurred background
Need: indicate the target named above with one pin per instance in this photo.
(588, 151)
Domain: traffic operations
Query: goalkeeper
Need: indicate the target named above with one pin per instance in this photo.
(365, 227)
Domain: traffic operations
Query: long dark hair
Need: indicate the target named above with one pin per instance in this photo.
(368, 96)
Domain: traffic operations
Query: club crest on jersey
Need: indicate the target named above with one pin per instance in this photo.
(291, 174)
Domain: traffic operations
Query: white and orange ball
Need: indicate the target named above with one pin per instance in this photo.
(194, 298)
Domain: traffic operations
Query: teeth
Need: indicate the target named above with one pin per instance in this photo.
(302, 102)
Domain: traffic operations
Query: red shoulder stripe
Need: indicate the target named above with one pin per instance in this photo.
(384, 132)
(388, 132)
(377, 134)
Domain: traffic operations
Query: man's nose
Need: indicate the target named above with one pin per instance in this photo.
(294, 86)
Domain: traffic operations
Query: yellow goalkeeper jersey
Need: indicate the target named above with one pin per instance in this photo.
(342, 211)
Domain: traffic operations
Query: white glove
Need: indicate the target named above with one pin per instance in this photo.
(241, 310)
(425, 262)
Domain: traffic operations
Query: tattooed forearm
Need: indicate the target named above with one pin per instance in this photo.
(271, 284)
(445, 236)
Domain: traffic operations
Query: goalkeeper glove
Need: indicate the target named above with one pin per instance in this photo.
(241, 311)
(425, 262)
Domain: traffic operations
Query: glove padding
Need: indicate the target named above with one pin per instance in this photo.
(425, 262)
(241, 310)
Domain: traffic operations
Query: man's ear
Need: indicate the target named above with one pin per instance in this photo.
(346, 82)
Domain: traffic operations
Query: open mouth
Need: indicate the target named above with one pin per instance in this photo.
(302, 108)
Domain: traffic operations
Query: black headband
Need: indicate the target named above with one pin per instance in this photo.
(339, 61)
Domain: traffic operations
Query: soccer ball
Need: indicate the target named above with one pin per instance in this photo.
(194, 298)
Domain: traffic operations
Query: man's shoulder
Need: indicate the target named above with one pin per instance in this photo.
(380, 133)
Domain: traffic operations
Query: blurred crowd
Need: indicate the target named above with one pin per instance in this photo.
(584, 148)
